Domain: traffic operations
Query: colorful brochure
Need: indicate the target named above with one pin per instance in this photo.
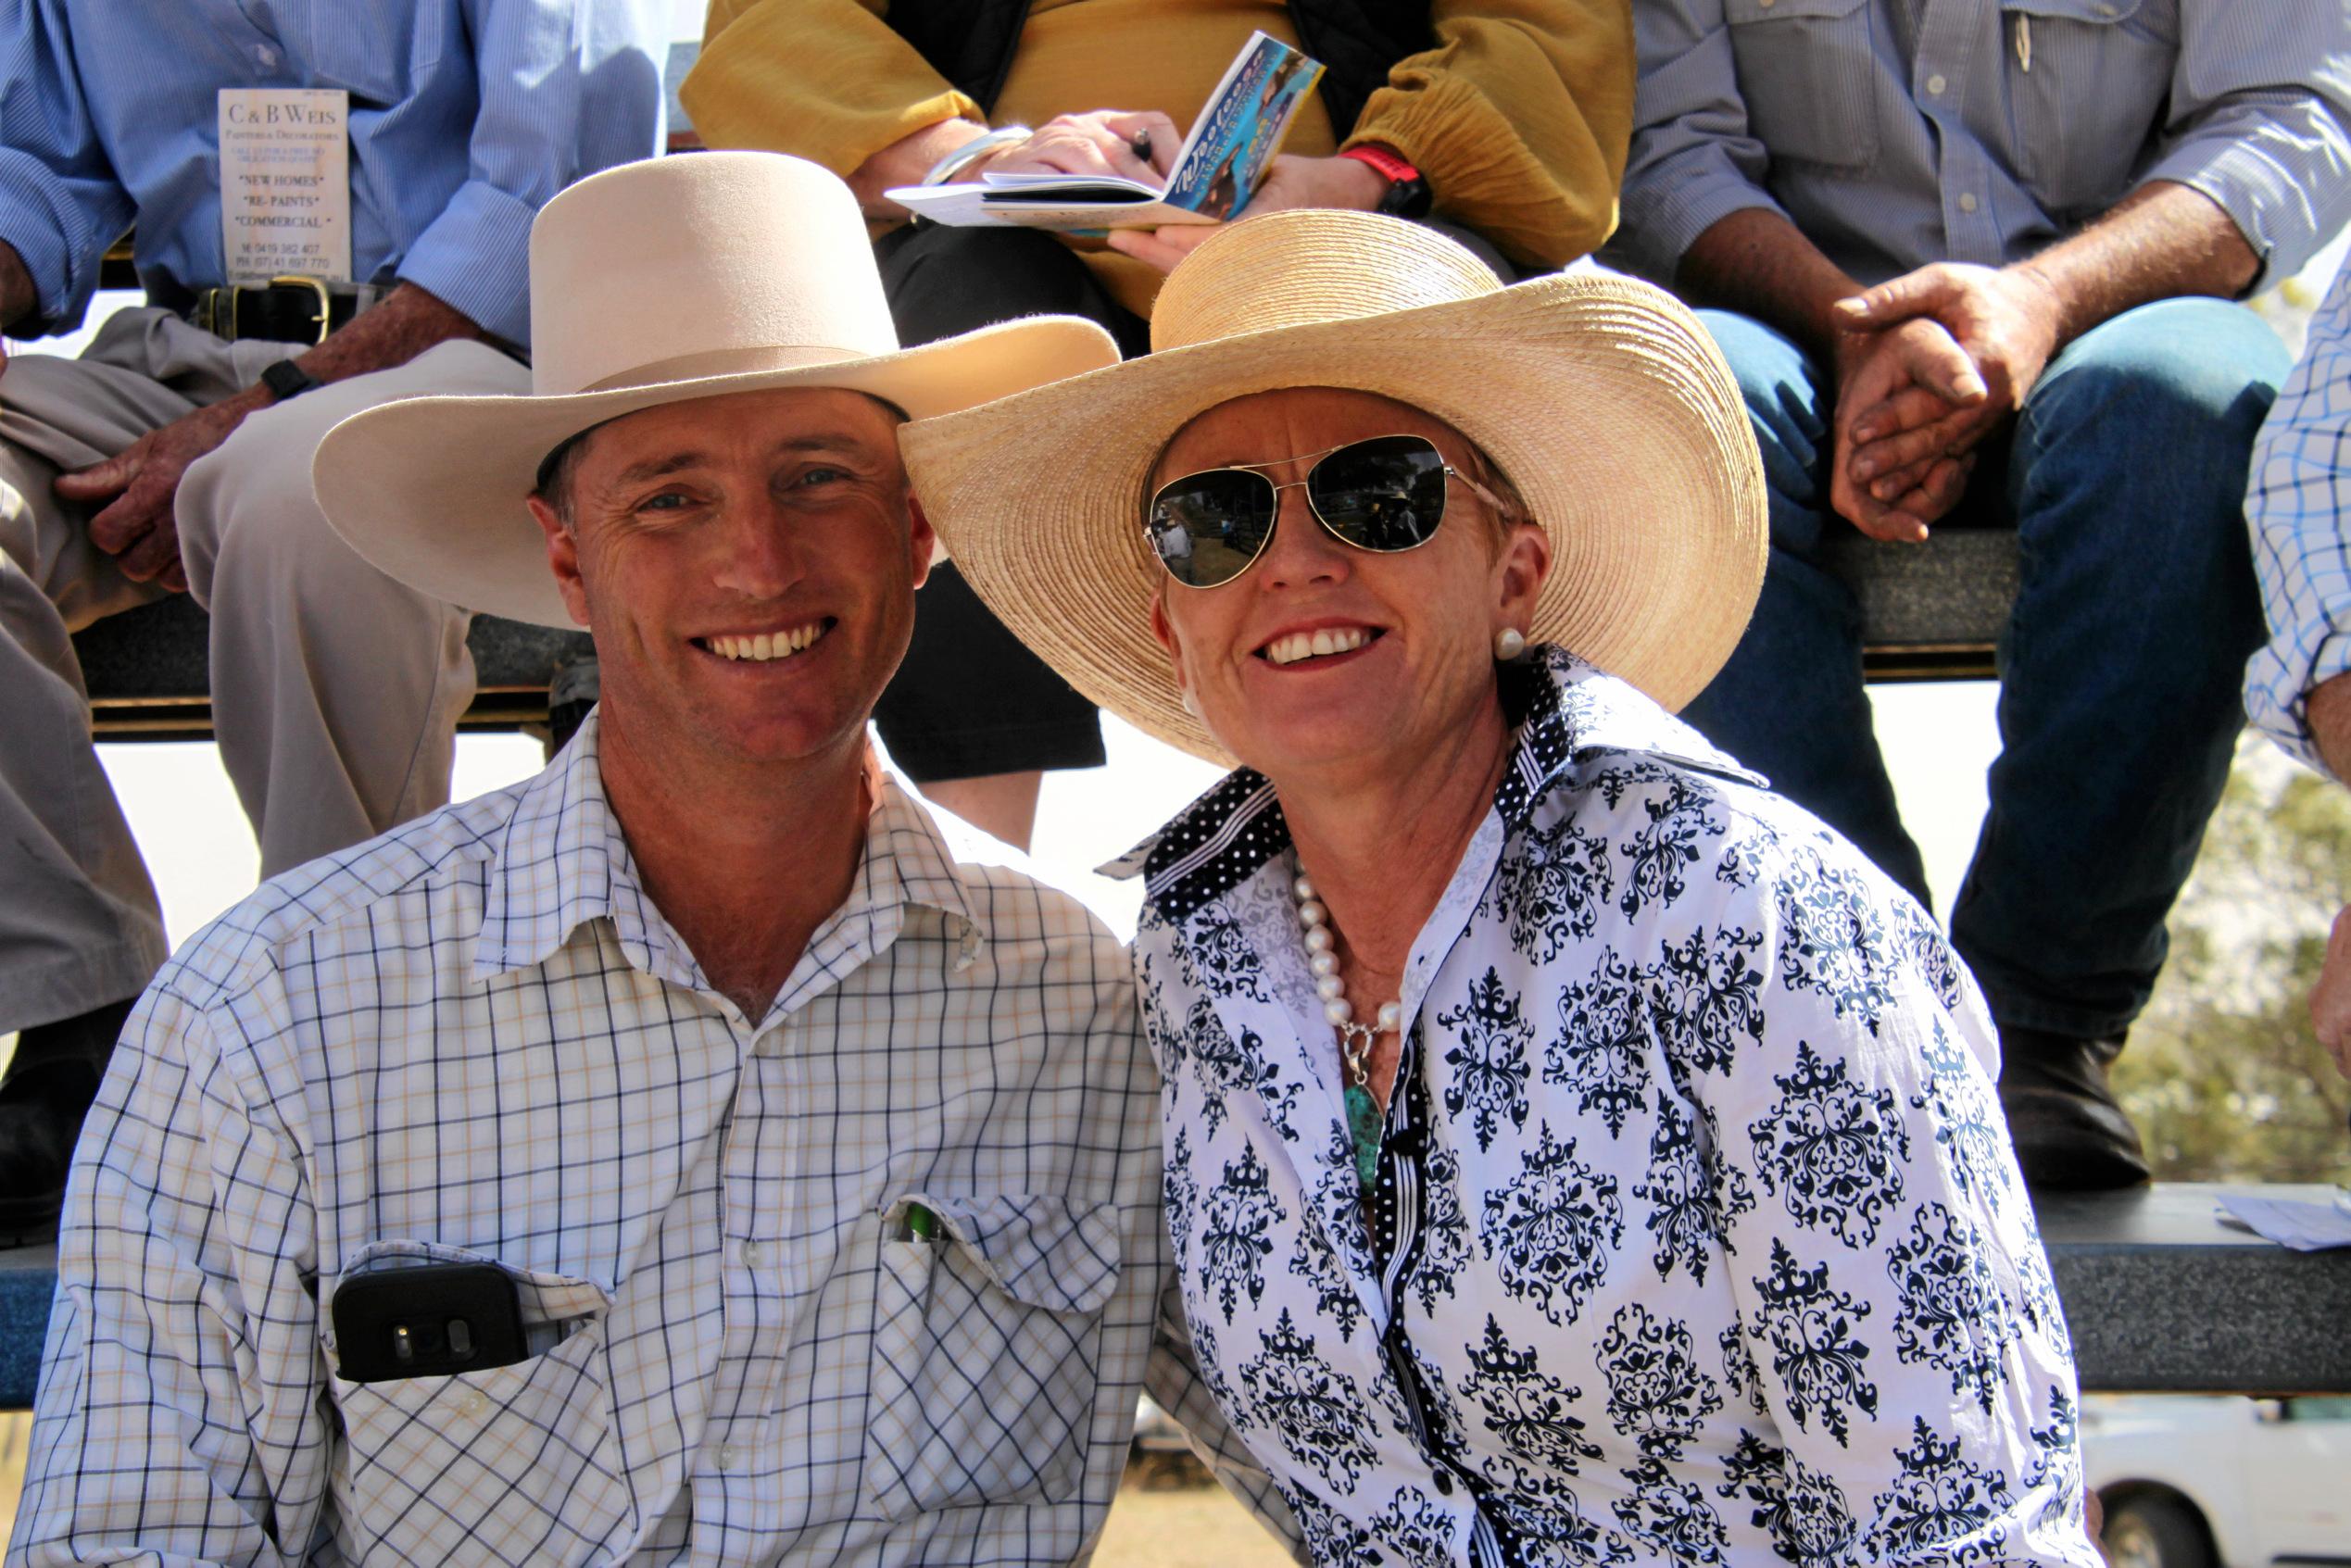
(1219, 168)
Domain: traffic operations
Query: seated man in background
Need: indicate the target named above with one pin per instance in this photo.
(2297, 689)
(1975, 262)
(160, 460)
(1505, 119)
(815, 1176)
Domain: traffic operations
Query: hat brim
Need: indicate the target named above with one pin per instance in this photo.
(1602, 398)
(431, 490)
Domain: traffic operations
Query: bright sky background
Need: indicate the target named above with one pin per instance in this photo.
(1938, 740)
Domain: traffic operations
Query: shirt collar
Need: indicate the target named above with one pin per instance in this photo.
(1564, 710)
(562, 862)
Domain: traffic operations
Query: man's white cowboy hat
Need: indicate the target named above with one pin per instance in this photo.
(1602, 397)
(655, 283)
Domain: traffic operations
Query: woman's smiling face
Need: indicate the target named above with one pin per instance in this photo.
(1413, 633)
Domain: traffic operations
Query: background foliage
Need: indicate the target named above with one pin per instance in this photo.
(2224, 1074)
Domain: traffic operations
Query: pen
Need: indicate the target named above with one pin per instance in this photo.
(917, 1223)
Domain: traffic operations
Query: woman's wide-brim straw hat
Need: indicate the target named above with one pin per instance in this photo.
(652, 283)
(1602, 397)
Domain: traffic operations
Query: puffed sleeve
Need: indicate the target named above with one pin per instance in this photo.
(1897, 1318)
(822, 79)
(1518, 119)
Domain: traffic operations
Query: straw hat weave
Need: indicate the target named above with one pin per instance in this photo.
(1602, 397)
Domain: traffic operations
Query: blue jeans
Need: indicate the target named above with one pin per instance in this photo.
(2120, 668)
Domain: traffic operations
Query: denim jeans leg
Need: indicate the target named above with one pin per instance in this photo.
(2122, 665)
(1790, 704)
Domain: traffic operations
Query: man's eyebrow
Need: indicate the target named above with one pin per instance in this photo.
(654, 468)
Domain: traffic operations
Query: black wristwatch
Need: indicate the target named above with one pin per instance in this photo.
(286, 379)
(1407, 198)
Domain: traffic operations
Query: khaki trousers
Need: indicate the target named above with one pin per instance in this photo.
(335, 691)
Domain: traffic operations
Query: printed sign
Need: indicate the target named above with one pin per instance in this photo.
(285, 182)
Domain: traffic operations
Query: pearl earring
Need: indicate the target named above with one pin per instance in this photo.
(1509, 643)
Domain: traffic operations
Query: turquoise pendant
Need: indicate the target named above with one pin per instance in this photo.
(1362, 1123)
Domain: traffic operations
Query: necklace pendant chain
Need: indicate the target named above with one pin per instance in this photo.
(1366, 1126)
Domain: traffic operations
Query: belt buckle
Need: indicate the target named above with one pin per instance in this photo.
(295, 280)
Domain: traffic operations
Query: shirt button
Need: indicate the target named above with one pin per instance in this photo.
(728, 1456)
(753, 1254)
(1967, 201)
(1935, 84)
(1444, 1481)
(265, 56)
(474, 1404)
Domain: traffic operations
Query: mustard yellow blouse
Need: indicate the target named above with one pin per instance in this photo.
(1518, 117)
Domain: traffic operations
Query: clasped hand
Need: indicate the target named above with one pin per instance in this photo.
(1928, 365)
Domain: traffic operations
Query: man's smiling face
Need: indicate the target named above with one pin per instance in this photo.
(748, 564)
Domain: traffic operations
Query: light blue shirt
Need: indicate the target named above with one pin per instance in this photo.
(466, 115)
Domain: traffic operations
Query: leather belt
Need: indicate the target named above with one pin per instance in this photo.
(282, 310)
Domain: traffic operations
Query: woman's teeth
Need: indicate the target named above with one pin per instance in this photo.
(1316, 644)
(767, 645)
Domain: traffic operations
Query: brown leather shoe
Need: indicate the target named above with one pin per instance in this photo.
(52, 1079)
(2069, 1131)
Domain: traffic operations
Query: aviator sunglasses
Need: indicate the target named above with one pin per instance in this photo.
(1385, 494)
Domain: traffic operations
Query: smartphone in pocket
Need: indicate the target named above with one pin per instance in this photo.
(430, 1321)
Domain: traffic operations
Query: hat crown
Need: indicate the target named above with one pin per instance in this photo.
(1303, 267)
(707, 264)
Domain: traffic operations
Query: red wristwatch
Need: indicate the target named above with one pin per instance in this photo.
(1408, 195)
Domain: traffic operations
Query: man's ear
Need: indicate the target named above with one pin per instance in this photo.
(1520, 573)
(921, 538)
(562, 558)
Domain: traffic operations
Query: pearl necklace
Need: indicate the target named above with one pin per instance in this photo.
(1355, 1039)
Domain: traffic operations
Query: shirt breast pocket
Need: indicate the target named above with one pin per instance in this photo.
(512, 1463)
(987, 1339)
(1808, 77)
(2089, 86)
(375, 52)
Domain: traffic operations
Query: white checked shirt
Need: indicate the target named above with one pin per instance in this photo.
(2299, 506)
(476, 1039)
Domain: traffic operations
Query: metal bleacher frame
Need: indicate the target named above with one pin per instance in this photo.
(2160, 1297)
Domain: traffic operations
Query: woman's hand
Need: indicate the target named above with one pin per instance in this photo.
(1099, 143)
(1292, 181)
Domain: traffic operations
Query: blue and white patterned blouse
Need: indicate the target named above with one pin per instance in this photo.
(1696, 1238)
